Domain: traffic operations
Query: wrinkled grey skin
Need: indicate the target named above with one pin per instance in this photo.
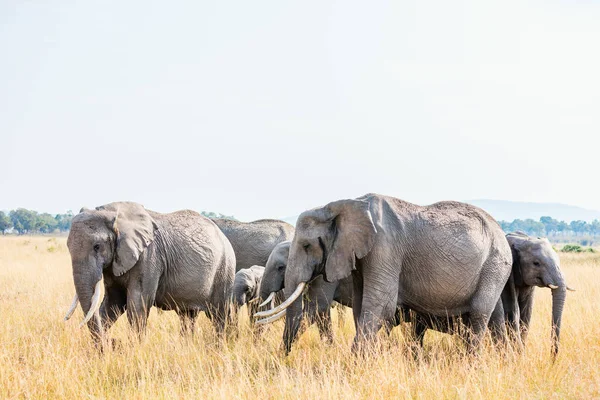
(318, 298)
(452, 259)
(253, 241)
(179, 261)
(246, 284)
(535, 263)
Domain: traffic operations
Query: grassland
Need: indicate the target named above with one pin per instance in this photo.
(43, 357)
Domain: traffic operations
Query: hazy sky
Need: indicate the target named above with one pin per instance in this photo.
(265, 109)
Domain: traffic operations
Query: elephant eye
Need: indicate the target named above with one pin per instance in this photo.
(96, 248)
(306, 246)
(281, 268)
(536, 263)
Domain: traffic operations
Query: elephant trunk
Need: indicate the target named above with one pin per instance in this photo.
(239, 296)
(88, 282)
(558, 301)
(293, 319)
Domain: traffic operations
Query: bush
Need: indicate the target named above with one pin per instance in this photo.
(571, 248)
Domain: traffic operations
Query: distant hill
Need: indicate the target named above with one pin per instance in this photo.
(504, 210)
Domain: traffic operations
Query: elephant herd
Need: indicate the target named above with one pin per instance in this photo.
(447, 266)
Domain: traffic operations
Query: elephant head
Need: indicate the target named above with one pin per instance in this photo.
(535, 263)
(108, 240)
(327, 242)
(246, 284)
(273, 278)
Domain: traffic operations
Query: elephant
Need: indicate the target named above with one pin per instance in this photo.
(178, 261)
(445, 259)
(246, 285)
(535, 263)
(319, 296)
(253, 241)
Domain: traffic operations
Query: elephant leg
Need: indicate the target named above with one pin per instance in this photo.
(357, 296)
(138, 308)
(113, 306)
(188, 321)
(419, 329)
(526, 307)
(219, 314)
(497, 324)
(324, 325)
(379, 302)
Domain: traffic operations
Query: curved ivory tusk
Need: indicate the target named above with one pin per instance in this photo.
(571, 289)
(72, 308)
(552, 286)
(272, 318)
(95, 304)
(254, 300)
(283, 305)
(264, 303)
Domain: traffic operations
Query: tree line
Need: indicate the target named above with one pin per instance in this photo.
(24, 221)
(548, 226)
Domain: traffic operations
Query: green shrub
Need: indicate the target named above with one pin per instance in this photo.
(571, 248)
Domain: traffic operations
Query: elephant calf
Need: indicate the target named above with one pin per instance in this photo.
(246, 285)
(535, 263)
(179, 261)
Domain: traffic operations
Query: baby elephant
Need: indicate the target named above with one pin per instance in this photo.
(535, 263)
(246, 285)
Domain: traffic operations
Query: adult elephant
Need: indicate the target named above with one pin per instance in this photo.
(179, 261)
(535, 263)
(253, 241)
(318, 298)
(445, 259)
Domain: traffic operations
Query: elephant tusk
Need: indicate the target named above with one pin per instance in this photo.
(95, 304)
(272, 318)
(551, 286)
(264, 303)
(254, 300)
(570, 289)
(283, 305)
(72, 308)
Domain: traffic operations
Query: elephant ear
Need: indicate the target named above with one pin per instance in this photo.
(134, 229)
(353, 236)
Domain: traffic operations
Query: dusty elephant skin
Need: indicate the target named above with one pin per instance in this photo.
(535, 263)
(318, 298)
(179, 261)
(451, 259)
(253, 242)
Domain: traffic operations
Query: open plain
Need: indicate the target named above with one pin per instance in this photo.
(43, 357)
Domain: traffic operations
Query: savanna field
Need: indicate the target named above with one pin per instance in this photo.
(43, 357)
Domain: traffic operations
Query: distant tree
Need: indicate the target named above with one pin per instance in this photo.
(46, 223)
(595, 227)
(578, 227)
(24, 220)
(550, 225)
(562, 227)
(211, 214)
(5, 222)
(64, 221)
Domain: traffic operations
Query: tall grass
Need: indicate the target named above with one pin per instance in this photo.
(43, 357)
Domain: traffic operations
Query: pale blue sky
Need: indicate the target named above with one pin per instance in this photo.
(265, 109)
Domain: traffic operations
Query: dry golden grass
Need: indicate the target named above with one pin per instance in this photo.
(44, 357)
